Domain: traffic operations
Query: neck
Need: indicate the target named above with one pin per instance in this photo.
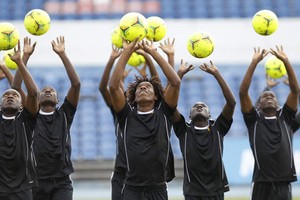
(200, 123)
(145, 107)
(269, 112)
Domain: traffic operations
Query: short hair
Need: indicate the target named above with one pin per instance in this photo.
(158, 89)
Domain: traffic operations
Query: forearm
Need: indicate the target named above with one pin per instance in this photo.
(293, 83)
(228, 95)
(9, 76)
(247, 78)
(168, 71)
(105, 77)
(31, 87)
(73, 76)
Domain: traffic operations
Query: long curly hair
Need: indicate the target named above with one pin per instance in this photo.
(158, 89)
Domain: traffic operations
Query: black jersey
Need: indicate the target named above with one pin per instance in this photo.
(202, 151)
(147, 144)
(120, 160)
(52, 142)
(271, 144)
(16, 158)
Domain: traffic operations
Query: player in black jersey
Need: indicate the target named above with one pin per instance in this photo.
(52, 138)
(201, 144)
(17, 173)
(270, 133)
(118, 176)
(145, 119)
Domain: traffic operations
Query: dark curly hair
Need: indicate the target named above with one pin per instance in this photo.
(158, 89)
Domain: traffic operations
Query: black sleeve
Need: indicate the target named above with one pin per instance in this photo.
(69, 110)
(296, 122)
(288, 114)
(167, 109)
(250, 118)
(180, 127)
(122, 115)
(223, 124)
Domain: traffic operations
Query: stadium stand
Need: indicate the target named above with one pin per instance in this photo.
(114, 9)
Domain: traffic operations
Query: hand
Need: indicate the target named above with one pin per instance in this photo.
(147, 46)
(271, 82)
(16, 56)
(286, 80)
(58, 46)
(168, 46)
(116, 52)
(259, 55)
(132, 46)
(212, 69)
(142, 71)
(184, 68)
(279, 53)
(28, 48)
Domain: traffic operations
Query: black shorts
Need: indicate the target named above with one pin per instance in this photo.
(217, 197)
(117, 182)
(24, 195)
(54, 189)
(145, 193)
(271, 191)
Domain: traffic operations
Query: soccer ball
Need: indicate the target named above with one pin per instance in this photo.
(133, 25)
(116, 38)
(265, 22)
(136, 60)
(200, 44)
(156, 28)
(9, 36)
(274, 67)
(37, 22)
(8, 62)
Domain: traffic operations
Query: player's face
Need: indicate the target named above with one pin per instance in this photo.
(199, 111)
(11, 101)
(268, 100)
(48, 94)
(145, 92)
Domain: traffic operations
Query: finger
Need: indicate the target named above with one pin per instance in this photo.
(173, 41)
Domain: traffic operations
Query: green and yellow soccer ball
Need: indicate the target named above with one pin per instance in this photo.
(9, 36)
(156, 28)
(265, 22)
(275, 67)
(133, 25)
(116, 38)
(37, 22)
(8, 62)
(200, 44)
(136, 60)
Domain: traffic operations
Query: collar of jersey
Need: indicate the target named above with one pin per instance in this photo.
(201, 128)
(273, 117)
(46, 113)
(145, 113)
(4, 117)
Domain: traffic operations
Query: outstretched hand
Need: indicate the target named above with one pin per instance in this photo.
(147, 46)
(271, 82)
(58, 46)
(184, 68)
(16, 56)
(167, 47)
(116, 52)
(212, 69)
(279, 53)
(259, 54)
(28, 47)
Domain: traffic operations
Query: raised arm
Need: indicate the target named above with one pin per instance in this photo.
(172, 94)
(28, 49)
(168, 48)
(31, 103)
(229, 107)
(115, 83)
(6, 73)
(103, 85)
(292, 99)
(74, 91)
(245, 100)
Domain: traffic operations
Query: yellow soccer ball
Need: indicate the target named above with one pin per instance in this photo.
(133, 25)
(274, 67)
(9, 36)
(200, 44)
(116, 38)
(8, 62)
(136, 60)
(37, 22)
(265, 22)
(156, 28)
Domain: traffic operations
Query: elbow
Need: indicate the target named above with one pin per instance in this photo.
(232, 103)
(77, 85)
(176, 83)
